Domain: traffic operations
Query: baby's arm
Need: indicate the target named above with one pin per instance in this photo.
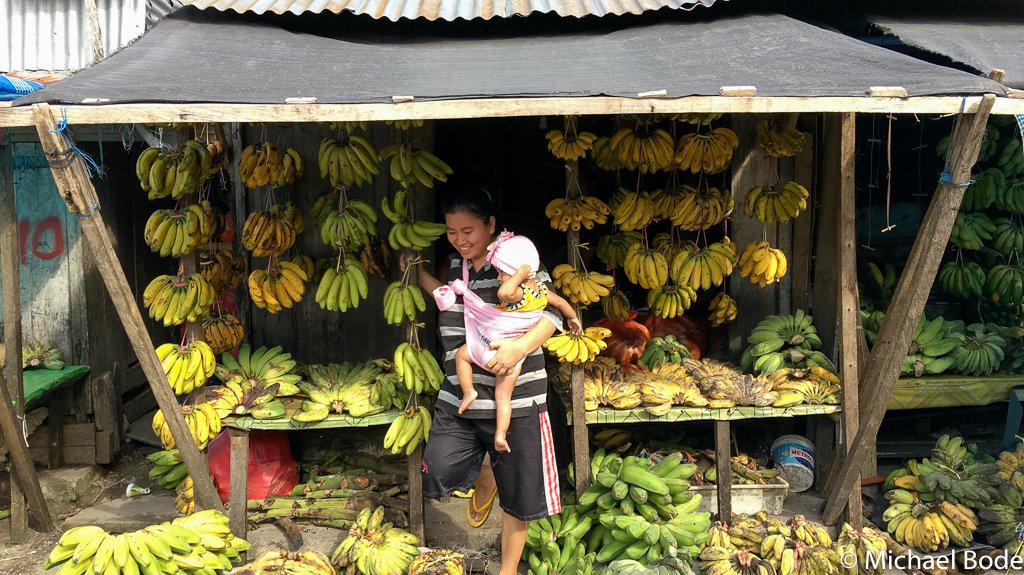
(511, 291)
(566, 309)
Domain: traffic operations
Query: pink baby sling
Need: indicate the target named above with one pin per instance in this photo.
(484, 322)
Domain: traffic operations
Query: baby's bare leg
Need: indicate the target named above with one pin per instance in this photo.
(504, 384)
(464, 370)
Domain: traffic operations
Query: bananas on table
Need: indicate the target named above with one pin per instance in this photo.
(361, 390)
(784, 341)
(262, 367)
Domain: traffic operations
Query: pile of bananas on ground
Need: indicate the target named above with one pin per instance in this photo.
(666, 386)
(418, 368)
(573, 213)
(964, 279)
(203, 421)
(645, 149)
(408, 431)
(287, 563)
(263, 164)
(268, 233)
(778, 141)
(41, 356)
(176, 233)
(402, 301)
(349, 227)
(722, 309)
(168, 468)
(577, 348)
(762, 263)
(631, 210)
(360, 390)
(784, 341)
(222, 331)
(174, 300)
(758, 545)
(708, 152)
(972, 230)
(581, 287)
(262, 367)
(279, 287)
(351, 162)
(645, 267)
(343, 286)
(410, 166)
(374, 547)
(811, 386)
(612, 248)
(191, 544)
(164, 173)
(438, 561)
(188, 366)
(702, 268)
(570, 145)
(554, 545)
(223, 270)
(337, 507)
(662, 350)
(777, 204)
(406, 233)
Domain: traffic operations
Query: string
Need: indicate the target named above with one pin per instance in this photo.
(947, 177)
(91, 167)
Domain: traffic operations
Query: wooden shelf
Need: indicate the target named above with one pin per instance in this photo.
(952, 391)
(333, 421)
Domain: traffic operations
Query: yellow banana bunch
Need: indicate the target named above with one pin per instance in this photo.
(418, 368)
(289, 563)
(291, 168)
(604, 155)
(701, 209)
(203, 423)
(697, 118)
(631, 210)
(224, 271)
(343, 286)
(174, 300)
(572, 145)
(410, 166)
(280, 287)
(616, 306)
(351, 227)
(374, 547)
(670, 301)
(222, 331)
(722, 309)
(610, 392)
(706, 152)
(164, 173)
(306, 264)
(406, 233)
(187, 366)
(176, 233)
(702, 268)
(778, 204)
(361, 390)
(266, 234)
(185, 498)
(612, 248)
(779, 141)
(408, 431)
(649, 151)
(867, 545)
(218, 157)
(402, 301)
(645, 267)
(763, 264)
(582, 287)
(261, 164)
(574, 213)
(351, 162)
(290, 212)
(375, 257)
(580, 347)
(814, 386)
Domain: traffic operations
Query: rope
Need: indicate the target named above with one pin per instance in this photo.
(947, 177)
(66, 161)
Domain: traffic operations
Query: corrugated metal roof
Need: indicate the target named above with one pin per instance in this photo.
(157, 10)
(395, 10)
(54, 34)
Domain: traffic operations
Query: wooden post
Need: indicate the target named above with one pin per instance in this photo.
(723, 464)
(893, 341)
(238, 471)
(239, 209)
(25, 483)
(580, 437)
(75, 188)
(416, 524)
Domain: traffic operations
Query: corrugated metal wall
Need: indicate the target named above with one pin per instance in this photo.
(54, 34)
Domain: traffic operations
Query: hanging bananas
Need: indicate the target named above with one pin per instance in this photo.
(202, 420)
(375, 257)
(645, 267)
(700, 209)
(670, 301)
(406, 233)
(778, 141)
(573, 213)
(224, 271)
(187, 366)
(168, 468)
(763, 264)
(408, 430)
(1005, 284)
(580, 347)
(702, 268)
(571, 145)
(631, 210)
(262, 164)
(402, 301)
(777, 204)
(582, 287)
(612, 248)
(174, 300)
(268, 233)
(343, 286)
(410, 166)
(706, 152)
(972, 230)
(222, 331)
(165, 173)
(616, 306)
(648, 151)
(722, 309)
(349, 228)
(279, 287)
(176, 233)
(352, 162)
(418, 368)
(965, 280)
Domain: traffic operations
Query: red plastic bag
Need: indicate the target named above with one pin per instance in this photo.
(272, 471)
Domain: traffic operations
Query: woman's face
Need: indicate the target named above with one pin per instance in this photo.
(468, 234)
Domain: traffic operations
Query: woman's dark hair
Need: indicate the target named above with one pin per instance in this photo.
(478, 201)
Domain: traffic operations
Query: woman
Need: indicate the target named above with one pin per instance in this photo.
(526, 477)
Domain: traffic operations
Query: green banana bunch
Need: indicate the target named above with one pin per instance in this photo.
(402, 301)
(344, 286)
(930, 350)
(980, 351)
(349, 228)
(168, 468)
(612, 248)
(174, 300)
(662, 350)
(374, 547)
(352, 162)
(1009, 236)
(261, 367)
(1005, 284)
(175, 233)
(1012, 198)
(408, 430)
(164, 173)
(989, 144)
(1011, 158)
(784, 341)
(972, 230)
(966, 280)
(871, 322)
(417, 368)
(410, 166)
(988, 185)
(41, 355)
(406, 233)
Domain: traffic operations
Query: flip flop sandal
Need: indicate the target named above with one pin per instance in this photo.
(484, 511)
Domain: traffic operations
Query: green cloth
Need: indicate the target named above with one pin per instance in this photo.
(40, 381)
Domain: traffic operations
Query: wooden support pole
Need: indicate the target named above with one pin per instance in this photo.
(723, 464)
(416, 523)
(25, 484)
(238, 471)
(580, 437)
(75, 188)
(893, 341)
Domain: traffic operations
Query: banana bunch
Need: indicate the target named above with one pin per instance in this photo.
(263, 367)
(648, 151)
(605, 390)
(722, 384)
(724, 561)
(604, 155)
(670, 301)
(306, 264)
(406, 233)
(343, 287)
(571, 145)
(187, 366)
(288, 563)
(291, 168)
(784, 341)
(291, 212)
(580, 347)
(867, 545)
(573, 213)
(965, 280)
(375, 257)
(662, 350)
(1009, 236)
(721, 309)
(700, 209)
(222, 331)
(582, 287)
(554, 545)
(645, 267)
(776, 204)
(611, 439)
(697, 118)
(702, 268)
(352, 162)
(410, 166)
(706, 152)
(408, 430)
(667, 385)
(280, 287)
(176, 233)
(165, 173)
(402, 301)
(671, 247)
(982, 193)
(243, 397)
(41, 355)
(218, 156)
(616, 306)
(813, 386)
(1012, 198)
(999, 523)
(763, 264)
(1011, 158)
(438, 561)
(1011, 467)
(263, 164)
(928, 527)
(989, 144)
(362, 390)
(631, 210)
(185, 497)
(972, 230)
(268, 233)
(930, 349)
(203, 424)
(980, 351)
(349, 228)
(1005, 284)
(418, 368)
(224, 271)
(174, 300)
(612, 248)
(168, 468)
(374, 547)
(778, 141)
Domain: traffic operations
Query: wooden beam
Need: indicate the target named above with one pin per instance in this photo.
(723, 464)
(74, 186)
(893, 341)
(25, 484)
(580, 436)
(502, 108)
(238, 472)
(415, 467)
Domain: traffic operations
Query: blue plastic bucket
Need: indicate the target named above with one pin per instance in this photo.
(794, 458)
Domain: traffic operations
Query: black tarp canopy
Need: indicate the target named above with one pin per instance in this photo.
(199, 57)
